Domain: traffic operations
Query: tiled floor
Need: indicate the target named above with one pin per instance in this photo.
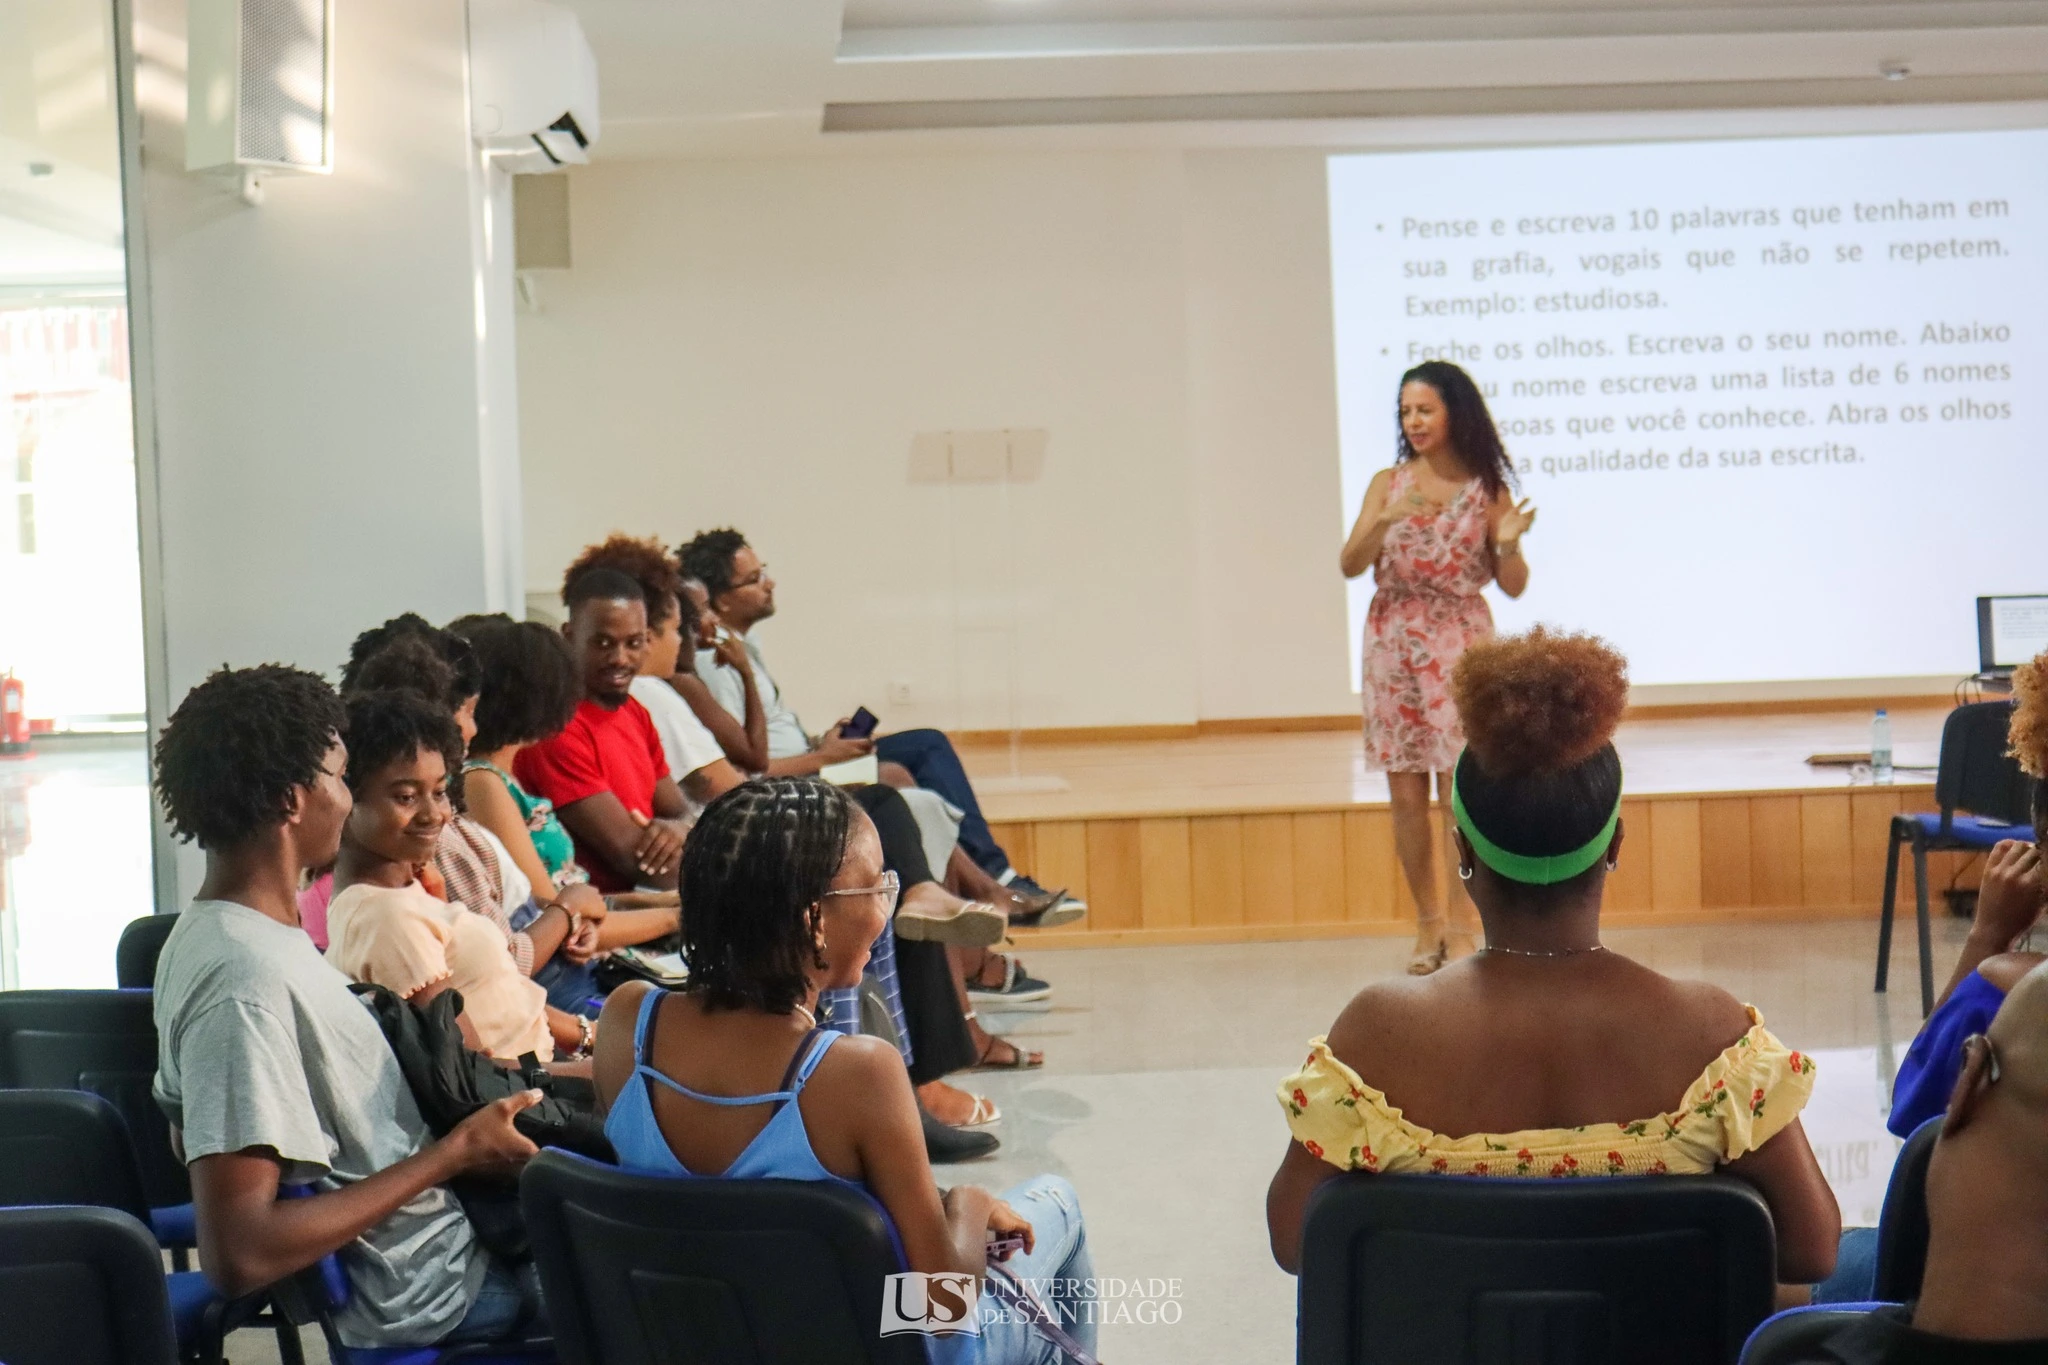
(1156, 1099)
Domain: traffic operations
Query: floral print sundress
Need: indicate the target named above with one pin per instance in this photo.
(1744, 1098)
(1427, 609)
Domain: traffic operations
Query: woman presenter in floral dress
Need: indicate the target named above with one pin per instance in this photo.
(1435, 530)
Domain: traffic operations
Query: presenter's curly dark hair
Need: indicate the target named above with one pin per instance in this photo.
(708, 559)
(530, 687)
(405, 633)
(2028, 733)
(238, 744)
(754, 869)
(642, 560)
(1473, 434)
(391, 725)
(1539, 775)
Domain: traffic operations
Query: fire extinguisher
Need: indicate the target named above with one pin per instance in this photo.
(13, 715)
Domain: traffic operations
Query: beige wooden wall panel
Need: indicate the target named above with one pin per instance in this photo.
(1327, 873)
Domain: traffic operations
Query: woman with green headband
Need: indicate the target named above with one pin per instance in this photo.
(1546, 1054)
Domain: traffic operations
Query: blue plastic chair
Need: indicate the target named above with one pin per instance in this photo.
(1902, 1227)
(81, 1286)
(1792, 1336)
(315, 1293)
(1975, 775)
(71, 1147)
(1397, 1269)
(103, 1042)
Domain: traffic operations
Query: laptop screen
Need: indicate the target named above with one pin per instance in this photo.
(2010, 630)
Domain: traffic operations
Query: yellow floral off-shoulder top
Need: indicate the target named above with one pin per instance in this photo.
(1743, 1098)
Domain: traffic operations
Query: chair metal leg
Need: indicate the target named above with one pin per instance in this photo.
(1926, 936)
(1891, 894)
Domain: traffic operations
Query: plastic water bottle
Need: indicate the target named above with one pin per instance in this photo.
(1881, 747)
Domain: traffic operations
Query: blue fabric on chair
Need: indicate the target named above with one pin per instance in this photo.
(1968, 831)
(1976, 775)
(1791, 1334)
(175, 1225)
(190, 1295)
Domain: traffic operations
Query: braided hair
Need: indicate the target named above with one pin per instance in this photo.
(754, 870)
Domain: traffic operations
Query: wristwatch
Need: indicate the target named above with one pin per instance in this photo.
(589, 1039)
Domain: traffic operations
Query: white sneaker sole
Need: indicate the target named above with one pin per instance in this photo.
(972, 926)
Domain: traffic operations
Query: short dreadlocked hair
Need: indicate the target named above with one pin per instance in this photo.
(642, 560)
(708, 559)
(755, 867)
(237, 747)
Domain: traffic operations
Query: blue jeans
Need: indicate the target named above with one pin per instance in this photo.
(571, 986)
(929, 756)
(1855, 1277)
(1055, 1268)
(507, 1304)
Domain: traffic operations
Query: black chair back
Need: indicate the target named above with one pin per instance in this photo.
(1795, 1338)
(742, 1270)
(1902, 1229)
(1976, 774)
(1403, 1268)
(81, 1286)
(66, 1147)
(142, 942)
(104, 1042)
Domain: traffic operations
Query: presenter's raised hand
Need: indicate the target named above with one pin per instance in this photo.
(1412, 504)
(1514, 523)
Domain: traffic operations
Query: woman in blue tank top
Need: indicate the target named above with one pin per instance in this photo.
(732, 1077)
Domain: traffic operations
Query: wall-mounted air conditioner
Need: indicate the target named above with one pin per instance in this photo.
(258, 81)
(532, 84)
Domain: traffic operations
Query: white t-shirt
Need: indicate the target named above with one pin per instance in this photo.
(685, 741)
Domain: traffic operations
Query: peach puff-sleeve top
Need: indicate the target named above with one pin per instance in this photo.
(406, 939)
(1743, 1099)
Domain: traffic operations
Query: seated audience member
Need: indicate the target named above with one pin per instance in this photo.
(744, 736)
(695, 759)
(273, 1073)
(1592, 1064)
(530, 692)
(606, 772)
(1984, 1295)
(472, 867)
(742, 595)
(385, 927)
(921, 983)
(2009, 904)
(733, 1078)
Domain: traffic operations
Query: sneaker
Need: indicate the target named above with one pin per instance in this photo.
(971, 924)
(1019, 991)
(1043, 909)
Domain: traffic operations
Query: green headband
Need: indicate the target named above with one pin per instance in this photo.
(1521, 867)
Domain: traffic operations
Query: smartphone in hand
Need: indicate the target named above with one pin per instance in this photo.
(861, 725)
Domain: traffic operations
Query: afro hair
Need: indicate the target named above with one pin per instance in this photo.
(1538, 703)
(238, 746)
(642, 560)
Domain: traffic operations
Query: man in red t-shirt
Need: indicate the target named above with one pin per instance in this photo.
(606, 773)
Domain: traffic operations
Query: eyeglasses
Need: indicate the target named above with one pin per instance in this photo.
(753, 578)
(889, 888)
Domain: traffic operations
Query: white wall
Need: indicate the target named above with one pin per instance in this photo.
(309, 376)
(755, 343)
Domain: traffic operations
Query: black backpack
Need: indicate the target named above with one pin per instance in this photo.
(449, 1082)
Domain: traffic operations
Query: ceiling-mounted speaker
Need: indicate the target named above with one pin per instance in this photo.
(258, 85)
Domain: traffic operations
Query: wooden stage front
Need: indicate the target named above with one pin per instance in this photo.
(1239, 837)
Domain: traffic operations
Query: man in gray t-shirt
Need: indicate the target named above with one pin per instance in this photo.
(270, 1069)
(263, 1045)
